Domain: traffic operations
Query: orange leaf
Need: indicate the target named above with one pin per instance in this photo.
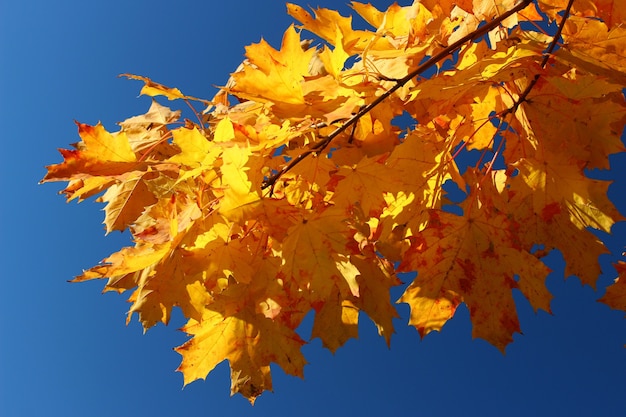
(615, 296)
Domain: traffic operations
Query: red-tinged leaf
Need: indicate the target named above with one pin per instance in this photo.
(470, 259)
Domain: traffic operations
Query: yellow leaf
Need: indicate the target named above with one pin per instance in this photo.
(231, 331)
(194, 146)
(591, 45)
(334, 59)
(169, 284)
(224, 131)
(336, 321)
(83, 188)
(127, 261)
(556, 204)
(152, 89)
(612, 12)
(309, 252)
(615, 296)
(109, 147)
(146, 132)
(374, 281)
(325, 25)
(126, 201)
(274, 75)
(100, 153)
(406, 23)
(240, 195)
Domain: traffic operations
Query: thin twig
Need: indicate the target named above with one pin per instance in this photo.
(321, 145)
(524, 96)
(194, 112)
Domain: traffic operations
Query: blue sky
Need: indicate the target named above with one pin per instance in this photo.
(64, 348)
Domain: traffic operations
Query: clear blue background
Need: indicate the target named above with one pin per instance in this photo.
(64, 348)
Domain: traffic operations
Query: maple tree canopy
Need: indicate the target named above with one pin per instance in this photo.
(317, 173)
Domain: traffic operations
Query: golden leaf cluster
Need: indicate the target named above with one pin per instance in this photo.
(317, 173)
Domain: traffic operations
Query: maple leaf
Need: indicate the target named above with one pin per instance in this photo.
(326, 23)
(126, 201)
(336, 321)
(124, 268)
(275, 75)
(169, 284)
(610, 11)
(374, 283)
(232, 330)
(146, 133)
(594, 48)
(312, 255)
(239, 196)
(472, 259)
(98, 154)
(445, 139)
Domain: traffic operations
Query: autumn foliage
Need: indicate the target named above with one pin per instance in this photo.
(451, 138)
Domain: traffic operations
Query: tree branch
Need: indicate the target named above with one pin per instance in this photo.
(321, 145)
(523, 97)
